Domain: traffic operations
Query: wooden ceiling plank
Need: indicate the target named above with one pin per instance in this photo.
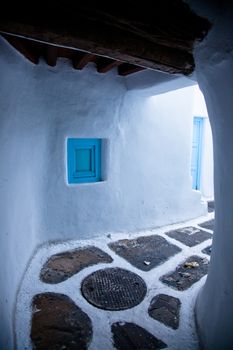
(131, 50)
(161, 39)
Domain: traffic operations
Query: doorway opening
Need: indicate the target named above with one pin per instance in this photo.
(201, 167)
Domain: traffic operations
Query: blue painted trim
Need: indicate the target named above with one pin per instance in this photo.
(92, 175)
(199, 120)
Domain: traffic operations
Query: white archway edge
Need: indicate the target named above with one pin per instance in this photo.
(214, 70)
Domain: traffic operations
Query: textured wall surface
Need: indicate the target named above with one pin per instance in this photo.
(214, 66)
(147, 180)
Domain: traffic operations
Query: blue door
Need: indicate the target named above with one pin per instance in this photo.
(196, 152)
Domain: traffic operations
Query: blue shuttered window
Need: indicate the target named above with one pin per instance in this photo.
(83, 160)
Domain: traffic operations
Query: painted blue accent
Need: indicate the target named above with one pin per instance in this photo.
(83, 160)
(196, 152)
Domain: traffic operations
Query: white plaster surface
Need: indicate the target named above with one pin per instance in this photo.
(150, 82)
(214, 69)
(147, 178)
(183, 338)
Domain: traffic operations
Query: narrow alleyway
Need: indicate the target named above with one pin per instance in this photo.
(121, 291)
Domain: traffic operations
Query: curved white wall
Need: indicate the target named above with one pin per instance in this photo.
(214, 66)
(148, 180)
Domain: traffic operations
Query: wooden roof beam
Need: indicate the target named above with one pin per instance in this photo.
(134, 52)
(106, 64)
(126, 69)
(80, 60)
(161, 39)
(51, 55)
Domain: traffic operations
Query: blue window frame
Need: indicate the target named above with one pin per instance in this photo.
(83, 160)
(196, 152)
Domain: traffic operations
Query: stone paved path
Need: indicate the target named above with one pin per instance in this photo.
(121, 291)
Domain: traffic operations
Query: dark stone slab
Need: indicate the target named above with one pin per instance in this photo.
(187, 273)
(61, 266)
(58, 323)
(189, 236)
(113, 289)
(210, 206)
(208, 224)
(129, 336)
(145, 252)
(166, 309)
(207, 250)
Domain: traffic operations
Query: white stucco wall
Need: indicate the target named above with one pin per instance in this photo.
(159, 140)
(214, 67)
(147, 181)
(150, 82)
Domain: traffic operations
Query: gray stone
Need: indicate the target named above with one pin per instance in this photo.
(189, 236)
(209, 225)
(145, 252)
(58, 323)
(129, 336)
(166, 309)
(187, 273)
(61, 266)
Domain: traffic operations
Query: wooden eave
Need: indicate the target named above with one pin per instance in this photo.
(159, 35)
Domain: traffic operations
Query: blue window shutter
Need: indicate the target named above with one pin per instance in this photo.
(83, 160)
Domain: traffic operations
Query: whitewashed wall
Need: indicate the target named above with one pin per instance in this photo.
(148, 180)
(214, 69)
